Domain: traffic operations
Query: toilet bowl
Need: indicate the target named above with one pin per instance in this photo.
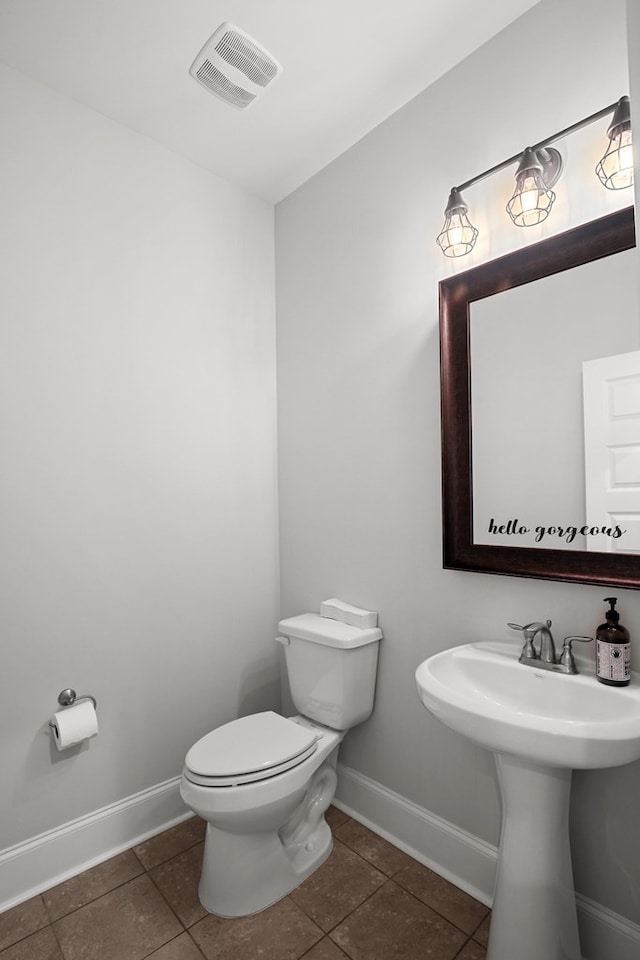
(266, 830)
(263, 782)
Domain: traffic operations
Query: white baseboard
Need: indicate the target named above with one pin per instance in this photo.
(28, 868)
(466, 861)
(605, 935)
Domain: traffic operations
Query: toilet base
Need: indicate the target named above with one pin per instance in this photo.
(259, 872)
(243, 874)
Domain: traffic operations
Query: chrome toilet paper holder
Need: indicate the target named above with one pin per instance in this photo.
(68, 697)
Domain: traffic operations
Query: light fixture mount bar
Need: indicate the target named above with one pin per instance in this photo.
(541, 145)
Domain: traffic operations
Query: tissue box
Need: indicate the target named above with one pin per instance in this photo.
(355, 616)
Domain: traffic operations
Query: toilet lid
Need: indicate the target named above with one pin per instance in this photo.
(248, 749)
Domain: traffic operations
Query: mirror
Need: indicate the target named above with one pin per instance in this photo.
(517, 334)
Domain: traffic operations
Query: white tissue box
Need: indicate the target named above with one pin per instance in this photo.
(355, 616)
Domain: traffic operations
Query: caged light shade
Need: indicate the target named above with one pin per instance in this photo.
(458, 235)
(533, 197)
(615, 170)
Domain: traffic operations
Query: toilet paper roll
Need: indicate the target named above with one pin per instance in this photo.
(74, 724)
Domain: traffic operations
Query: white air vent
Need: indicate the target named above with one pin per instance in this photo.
(234, 67)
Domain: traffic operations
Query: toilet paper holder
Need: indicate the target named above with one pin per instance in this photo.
(68, 697)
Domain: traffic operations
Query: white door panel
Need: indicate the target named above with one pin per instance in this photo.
(611, 390)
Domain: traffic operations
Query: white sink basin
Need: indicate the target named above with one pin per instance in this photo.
(570, 721)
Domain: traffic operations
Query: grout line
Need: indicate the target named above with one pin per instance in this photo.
(484, 920)
(182, 933)
(144, 871)
(437, 913)
(391, 876)
(31, 932)
(160, 863)
(52, 927)
(55, 935)
(196, 945)
(173, 855)
(164, 899)
(342, 919)
(312, 947)
(142, 866)
(69, 913)
(389, 879)
(463, 948)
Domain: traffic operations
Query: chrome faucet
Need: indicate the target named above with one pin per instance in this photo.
(546, 659)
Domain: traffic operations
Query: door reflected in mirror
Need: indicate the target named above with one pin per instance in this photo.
(611, 409)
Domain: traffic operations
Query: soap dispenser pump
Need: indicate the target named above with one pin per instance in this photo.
(613, 649)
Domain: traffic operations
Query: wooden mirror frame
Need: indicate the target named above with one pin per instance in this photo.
(591, 241)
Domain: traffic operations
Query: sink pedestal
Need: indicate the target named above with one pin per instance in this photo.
(534, 910)
(540, 725)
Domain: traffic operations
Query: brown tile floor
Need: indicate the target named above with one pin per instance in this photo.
(368, 901)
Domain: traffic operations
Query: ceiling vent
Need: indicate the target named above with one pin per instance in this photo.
(234, 66)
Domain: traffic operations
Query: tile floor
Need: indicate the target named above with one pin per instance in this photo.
(368, 901)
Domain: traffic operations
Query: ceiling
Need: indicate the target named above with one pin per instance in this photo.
(348, 64)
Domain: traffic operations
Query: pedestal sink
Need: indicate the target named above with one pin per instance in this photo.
(540, 725)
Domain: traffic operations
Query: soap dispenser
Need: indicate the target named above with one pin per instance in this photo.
(613, 649)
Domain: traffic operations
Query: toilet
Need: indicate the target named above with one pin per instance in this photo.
(263, 782)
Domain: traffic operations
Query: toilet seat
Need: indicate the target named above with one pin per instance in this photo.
(249, 749)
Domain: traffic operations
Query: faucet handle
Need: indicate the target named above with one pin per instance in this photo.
(528, 651)
(566, 657)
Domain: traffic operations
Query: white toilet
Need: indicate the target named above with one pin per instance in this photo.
(263, 782)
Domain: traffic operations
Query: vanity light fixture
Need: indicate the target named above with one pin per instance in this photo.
(539, 167)
(458, 235)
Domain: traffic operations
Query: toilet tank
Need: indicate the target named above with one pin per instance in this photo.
(331, 668)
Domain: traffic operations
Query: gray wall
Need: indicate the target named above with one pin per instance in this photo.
(138, 482)
(358, 407)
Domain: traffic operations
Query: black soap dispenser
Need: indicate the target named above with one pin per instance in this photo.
(613, 649)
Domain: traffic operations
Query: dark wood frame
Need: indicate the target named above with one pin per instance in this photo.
(599, 238)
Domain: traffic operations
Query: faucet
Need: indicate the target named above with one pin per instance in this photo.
(547, 658)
